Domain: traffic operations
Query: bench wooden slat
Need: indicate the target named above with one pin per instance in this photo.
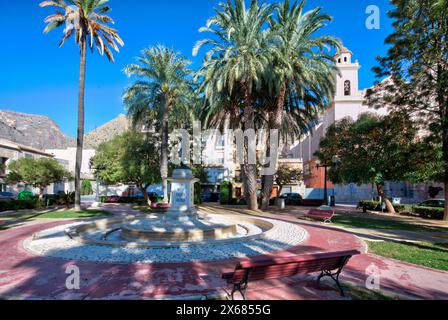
(302, 258)
(287, 267)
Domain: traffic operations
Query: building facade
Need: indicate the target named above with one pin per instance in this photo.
(10, 151)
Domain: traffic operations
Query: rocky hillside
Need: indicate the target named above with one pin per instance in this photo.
(33, 130)
(106, 132)
(43, 133)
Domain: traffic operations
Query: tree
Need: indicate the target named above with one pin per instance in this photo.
(417, 69)
(162, 93)
(373, 149)
(287, 175)
(40, 173)
(235, 66)
(139, 160)
(129, 158)
(88, 21)
(303, 75)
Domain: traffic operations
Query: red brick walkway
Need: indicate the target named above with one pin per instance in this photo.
(23, 275)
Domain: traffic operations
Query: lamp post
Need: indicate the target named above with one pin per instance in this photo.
(319, 165)
(325, 166)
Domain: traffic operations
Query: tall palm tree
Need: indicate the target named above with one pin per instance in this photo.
(303, 72)
(162, 91)
(237, 61)
(87, 21)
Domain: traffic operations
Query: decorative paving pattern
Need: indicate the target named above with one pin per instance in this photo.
(55, 243)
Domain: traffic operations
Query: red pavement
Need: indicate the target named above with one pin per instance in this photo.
(25, 276)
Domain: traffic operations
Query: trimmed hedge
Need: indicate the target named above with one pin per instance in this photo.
(15, 205)
(197, 193)
(429, 212)
(371, 205)
(226, 193)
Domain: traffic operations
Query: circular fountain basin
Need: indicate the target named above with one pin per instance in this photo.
(153, 232)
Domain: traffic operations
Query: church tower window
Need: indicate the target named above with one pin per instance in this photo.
(347, 88)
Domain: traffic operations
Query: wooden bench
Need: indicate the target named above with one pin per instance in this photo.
(328, 264)
(319, 214)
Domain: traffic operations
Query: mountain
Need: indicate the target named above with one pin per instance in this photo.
(43, 133)
(35, 131)
(106, 132)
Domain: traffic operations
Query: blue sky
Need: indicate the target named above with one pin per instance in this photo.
(38, 77)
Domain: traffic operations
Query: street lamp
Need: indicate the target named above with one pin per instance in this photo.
(325, 166)
(319, 165)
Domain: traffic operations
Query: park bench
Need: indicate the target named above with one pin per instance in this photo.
(321, 214)
(328, 264)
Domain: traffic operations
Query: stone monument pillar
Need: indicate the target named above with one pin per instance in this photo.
(182, 195)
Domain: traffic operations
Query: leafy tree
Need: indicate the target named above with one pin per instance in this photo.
(87, 21)
(287, 175)
(129, 158)
(201, 173)
(235, 67)
(417, 69)
(139, 161)
(40, 173)
(161, 94)
(373, 149)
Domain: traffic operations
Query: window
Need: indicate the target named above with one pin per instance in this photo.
(339, 60)
(347, 88)
(345, 59)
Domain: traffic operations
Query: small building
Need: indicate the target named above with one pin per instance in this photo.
(10, 151)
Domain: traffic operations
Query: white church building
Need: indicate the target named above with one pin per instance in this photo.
(348, 102)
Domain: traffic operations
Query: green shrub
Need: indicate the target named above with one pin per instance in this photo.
(429, 212)
(372, 205)
(197, 194)
(226, 193)
(86, 188)
(25, 195)
(16, 205)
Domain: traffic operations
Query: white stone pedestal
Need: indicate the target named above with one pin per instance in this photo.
(182, 196)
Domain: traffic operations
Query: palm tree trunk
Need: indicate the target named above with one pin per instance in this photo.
(275, 123)
(164, 153)
(389, 205)
(80, 138)
(445, 158)
(250, 170)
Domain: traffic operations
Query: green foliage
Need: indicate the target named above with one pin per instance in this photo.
(66, 199)
(197, 194)
(25, 195)
(429, 212)
(226, 191)
(201, 173)
(287, 175)
(89, 23)
(86, 188)
(18, 205)
(372, 149)
(40, 173)
(372, 205)
(129, 158)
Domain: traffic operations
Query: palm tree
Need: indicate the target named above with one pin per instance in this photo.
(237, 62)
(161, 93)
(87, 21)
(303, 72)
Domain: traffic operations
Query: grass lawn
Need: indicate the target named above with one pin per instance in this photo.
(363, 294)
(67, 214)
(431, 255)
(380, 224)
